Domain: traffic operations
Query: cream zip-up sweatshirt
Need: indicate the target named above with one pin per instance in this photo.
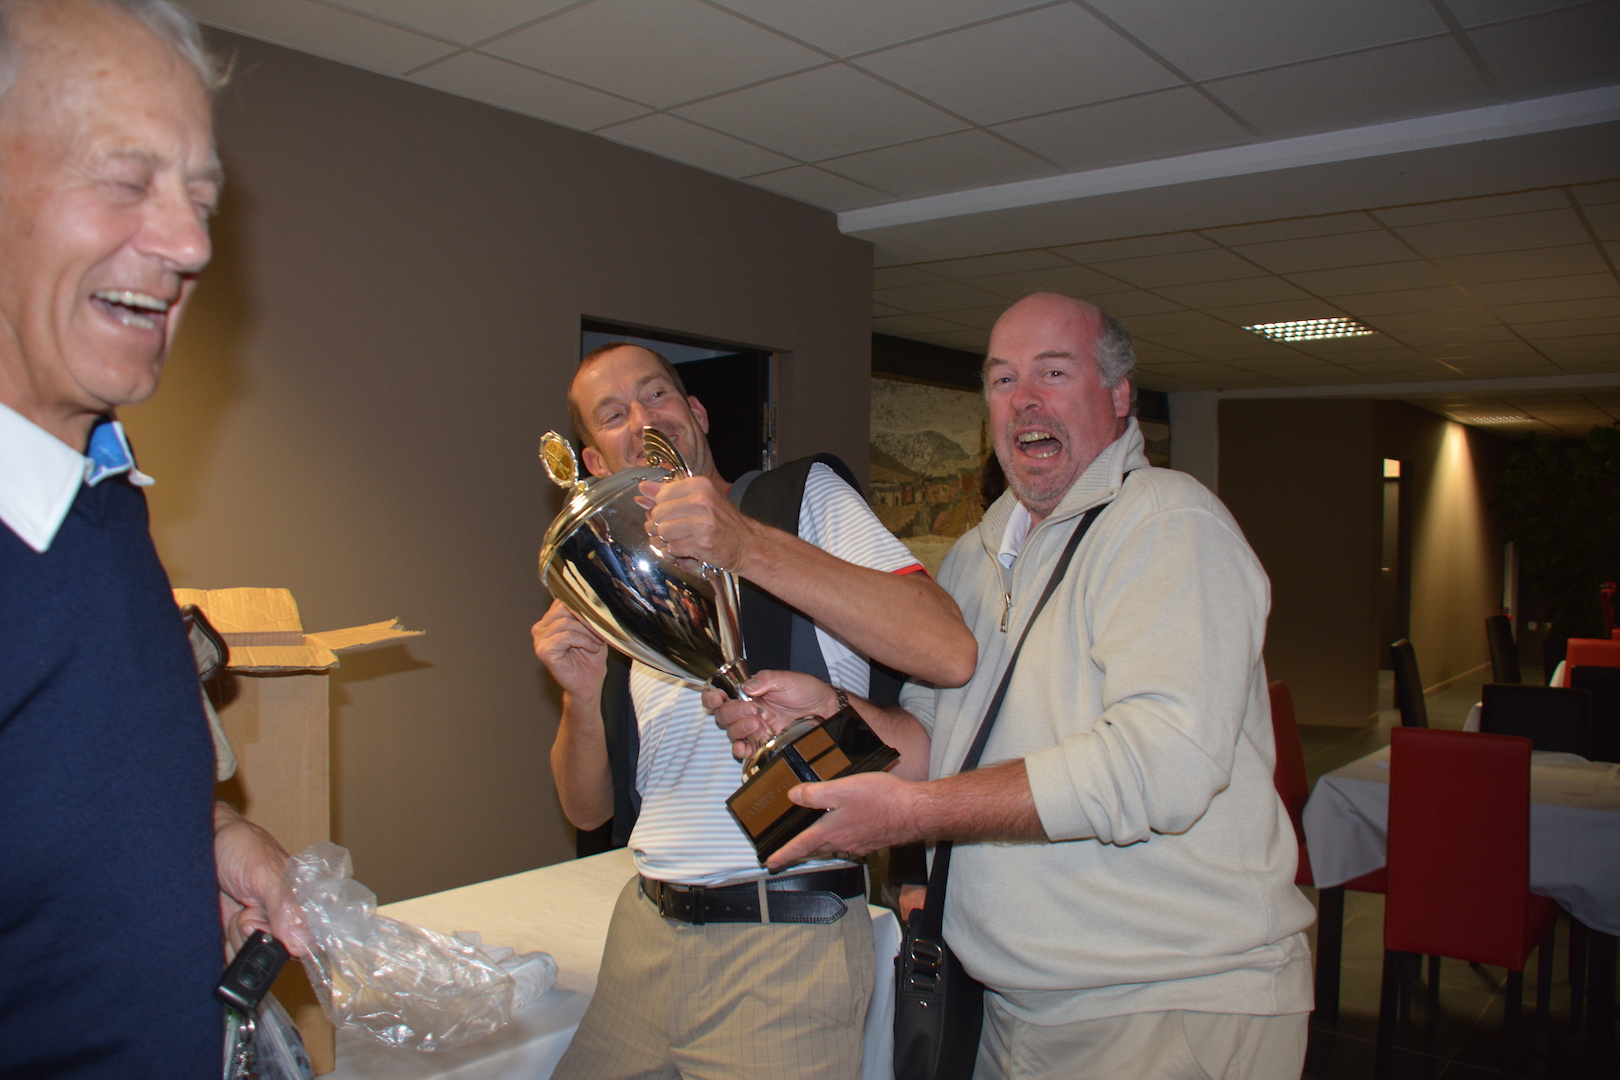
(1139, 706)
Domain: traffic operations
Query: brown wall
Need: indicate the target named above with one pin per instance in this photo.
(1301, 477)
(1304, 479)
(354, 404)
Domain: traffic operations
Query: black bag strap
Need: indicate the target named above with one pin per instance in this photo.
(932, 913)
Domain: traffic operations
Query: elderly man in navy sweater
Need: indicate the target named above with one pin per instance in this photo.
(116, 863)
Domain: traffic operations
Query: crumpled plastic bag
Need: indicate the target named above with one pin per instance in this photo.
(403, 985)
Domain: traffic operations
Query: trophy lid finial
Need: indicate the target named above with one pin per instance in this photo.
(561, 464)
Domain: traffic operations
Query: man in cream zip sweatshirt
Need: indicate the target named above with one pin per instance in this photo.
(1122, 880)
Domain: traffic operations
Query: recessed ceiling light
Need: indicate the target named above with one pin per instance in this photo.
(1311, 329)
(1497, 419)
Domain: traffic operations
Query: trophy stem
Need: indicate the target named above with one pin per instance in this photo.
(730, 679)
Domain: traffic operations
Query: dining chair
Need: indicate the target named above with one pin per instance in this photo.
(1590, 652)
(1293, 787)
(1603, 683)
(1504, 652)
(1408, 687)
(1551, 717)
(1459, 872)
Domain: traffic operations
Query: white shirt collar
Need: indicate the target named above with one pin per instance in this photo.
(1013, 537)
(40, 474)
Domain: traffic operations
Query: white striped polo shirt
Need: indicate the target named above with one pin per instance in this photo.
(685, 834)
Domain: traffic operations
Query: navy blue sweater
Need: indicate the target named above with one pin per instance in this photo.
(109, 918)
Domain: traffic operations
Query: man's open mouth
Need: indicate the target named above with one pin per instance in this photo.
(1038, 444)
(137, 310)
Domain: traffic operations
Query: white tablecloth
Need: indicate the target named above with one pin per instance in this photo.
(1574, 830)
(564, 910)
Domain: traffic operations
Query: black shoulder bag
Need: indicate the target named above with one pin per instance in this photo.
(938, 1006)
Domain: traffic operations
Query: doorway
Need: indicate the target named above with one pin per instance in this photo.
(1394, 574)
(736, 385)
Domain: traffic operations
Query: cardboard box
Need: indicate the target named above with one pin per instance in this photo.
(274, 705)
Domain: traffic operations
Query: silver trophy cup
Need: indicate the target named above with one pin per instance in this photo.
(671, 614)
(680, 617)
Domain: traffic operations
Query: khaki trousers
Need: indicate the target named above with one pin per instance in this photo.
(726, 1001)
(1152, 1046)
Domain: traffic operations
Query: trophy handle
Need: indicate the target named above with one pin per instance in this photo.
(662, 451)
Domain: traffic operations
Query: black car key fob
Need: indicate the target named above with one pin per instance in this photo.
(249, 977)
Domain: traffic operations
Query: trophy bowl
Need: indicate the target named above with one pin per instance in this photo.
(681, 617)
(674, 615)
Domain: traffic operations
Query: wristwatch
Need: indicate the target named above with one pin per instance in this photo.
(843, 698)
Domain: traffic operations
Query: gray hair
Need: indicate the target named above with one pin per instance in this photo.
(1115, 356)
(172, 23)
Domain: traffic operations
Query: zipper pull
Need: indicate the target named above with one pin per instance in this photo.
(1006, 611)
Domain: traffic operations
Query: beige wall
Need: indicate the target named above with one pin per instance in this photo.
(353, 408)
(1454, 472)
(1304, 479)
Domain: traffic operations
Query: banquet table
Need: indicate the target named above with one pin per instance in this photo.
(1574, 830)
(1574, 852)
(564, 910)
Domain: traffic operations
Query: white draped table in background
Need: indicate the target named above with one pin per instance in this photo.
(563, 910)
(1574, 830)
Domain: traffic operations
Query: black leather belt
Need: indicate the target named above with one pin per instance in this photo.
(816, 897)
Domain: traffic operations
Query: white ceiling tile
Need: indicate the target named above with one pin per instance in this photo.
(1517, 265)
(1005, 262)
(1451, 318)
(1581, 343)
(1040, 61)
(1386, 303)
(1457, 334)
(893, 277)
(1522, 202)
(1572, 328)
(880, 310)
(1167, 123)
(1401, 81)
(324, 31)
(1478, 12)
(936, 296)
(1134, 247)
(1593, 194)
(1604, 219)
(1510, 232)
(963, 159)
(1293, 229)
(1207, 38)
(1527, 314)
(823, 113)
(485, 78)
(908, 325)
(819, 188)
(966, 340)
(1173, 321)
(1195, 341)
(1255, 290)
(846, 27)
(671, 137)
(463, 22)
(1349, 280)
(1070, 280)
(1274, 311)
(1179, 268)
(1325, 252)
(981, 318)
(1560, 51)
(1575, 287)
(1128, 305)
(662, 53)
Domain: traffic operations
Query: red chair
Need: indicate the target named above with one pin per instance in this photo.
(1293, 786)
(1459, 871)
(1590, 652)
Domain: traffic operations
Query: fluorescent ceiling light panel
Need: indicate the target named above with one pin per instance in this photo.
(1495, 419)
(1311, 329)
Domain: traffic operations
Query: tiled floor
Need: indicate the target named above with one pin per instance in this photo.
(1460, 1037)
